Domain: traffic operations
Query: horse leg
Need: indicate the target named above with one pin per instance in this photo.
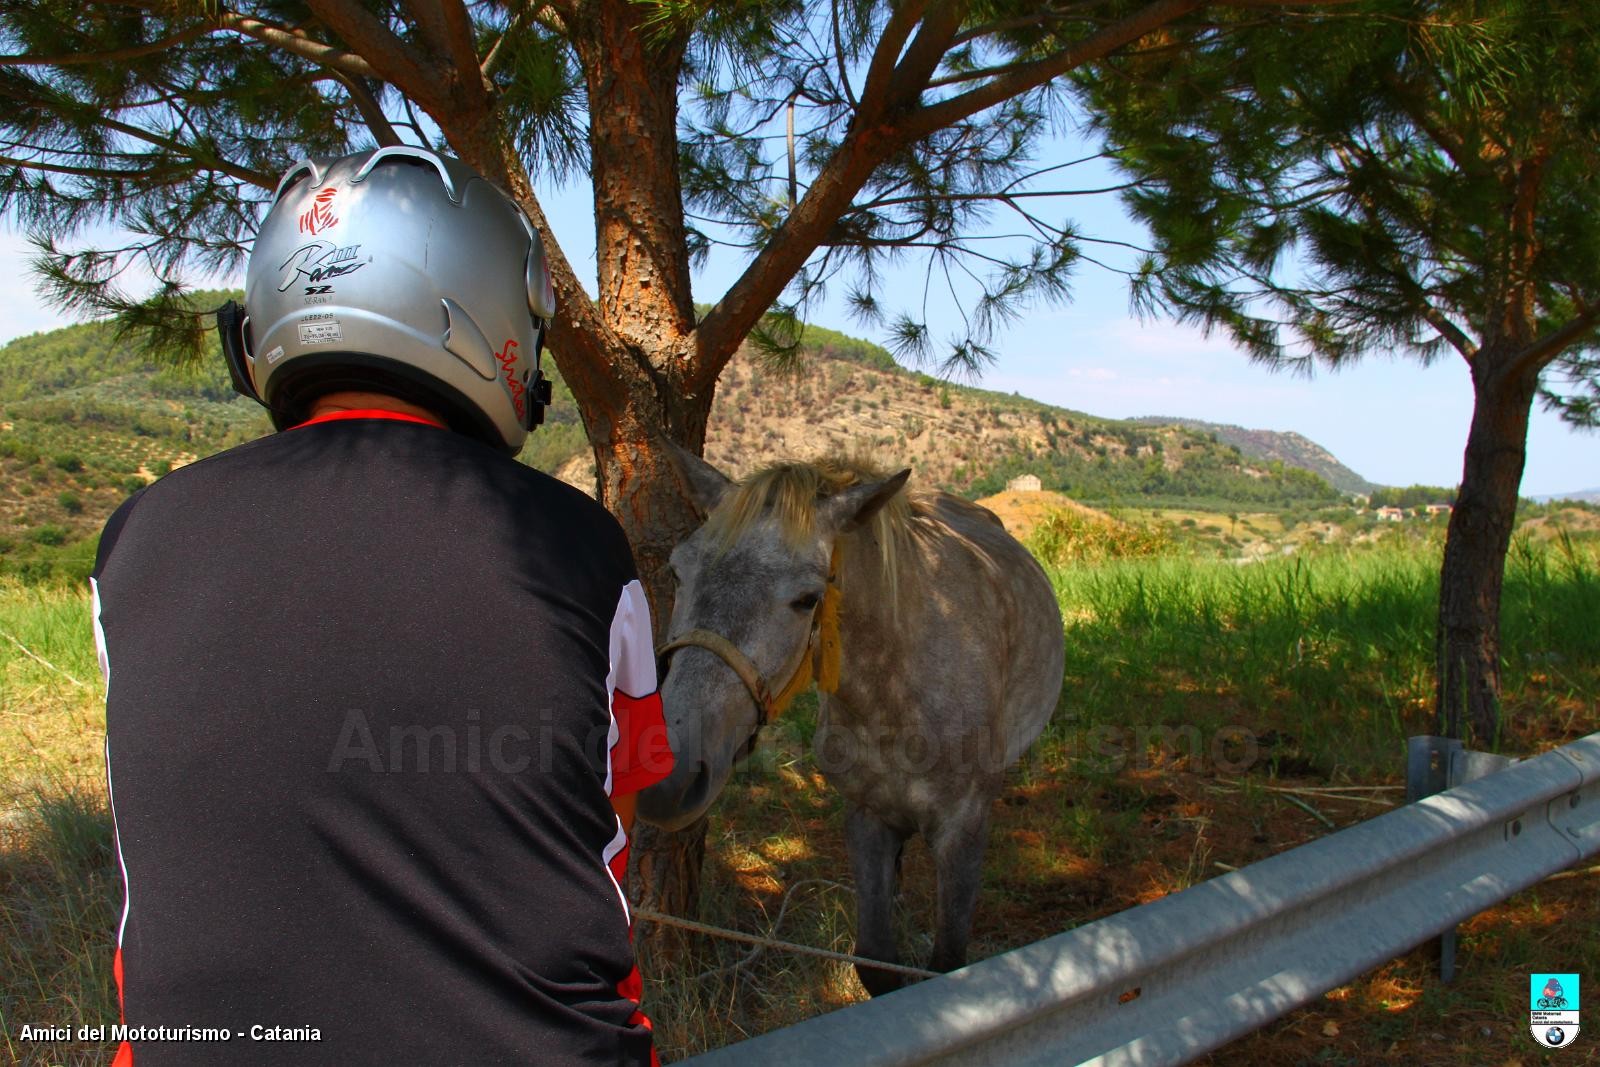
(957, 844)
(875, 860)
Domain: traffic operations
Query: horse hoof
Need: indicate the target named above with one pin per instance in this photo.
(878, 982)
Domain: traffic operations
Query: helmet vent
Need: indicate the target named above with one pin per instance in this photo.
(411, 155)
(306, 168)
(466, 342)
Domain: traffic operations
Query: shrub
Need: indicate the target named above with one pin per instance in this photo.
(1065, 536)
(68, 462)
(50, 534)
(70, 503)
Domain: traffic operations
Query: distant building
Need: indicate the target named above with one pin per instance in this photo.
(1026, 483)
(1391, 515)
(1438, 509)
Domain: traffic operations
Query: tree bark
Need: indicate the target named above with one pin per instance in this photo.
(1468, 639)
(646, 305)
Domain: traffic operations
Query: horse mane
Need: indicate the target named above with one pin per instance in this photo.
(790, 492)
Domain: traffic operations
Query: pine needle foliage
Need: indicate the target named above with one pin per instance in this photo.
(1400, 176)
(171, 122)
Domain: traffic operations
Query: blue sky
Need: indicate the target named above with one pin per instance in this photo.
(1392, 421)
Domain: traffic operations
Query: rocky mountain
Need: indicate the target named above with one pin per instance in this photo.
(1292, 449)
(846, 395)
(1587, 496)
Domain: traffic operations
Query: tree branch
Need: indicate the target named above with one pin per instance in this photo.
(926, 120)
(875, 90)
(116, 55)
(132, 174)
(205, 161)
(462, 49)
(296, 44)
(498, 51)
(448, 30)
(872, 139)
(1458, 338)
(371, 112)
(1017, 23)
(1542, 353)
(922, 56)
(838, 53)
(388, 57)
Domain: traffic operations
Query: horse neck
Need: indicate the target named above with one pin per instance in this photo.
(873, 604)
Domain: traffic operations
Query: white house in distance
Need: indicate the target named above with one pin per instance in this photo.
(1024, 483)
(1390, 515)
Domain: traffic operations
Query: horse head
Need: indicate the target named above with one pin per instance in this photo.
(753, 586)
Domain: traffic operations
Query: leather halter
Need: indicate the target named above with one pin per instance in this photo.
(819, 661)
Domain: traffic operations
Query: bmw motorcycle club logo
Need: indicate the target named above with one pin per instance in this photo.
(1553, 1009)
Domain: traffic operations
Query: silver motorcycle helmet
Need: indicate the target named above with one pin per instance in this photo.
(399, 271)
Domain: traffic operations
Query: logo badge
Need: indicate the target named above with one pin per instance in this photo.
(319, 262)
(1553, 1009)
(508, 363)
(320, 217)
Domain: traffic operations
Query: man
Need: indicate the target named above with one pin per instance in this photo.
(378, 696)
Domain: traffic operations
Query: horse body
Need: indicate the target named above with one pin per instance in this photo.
(950, 665)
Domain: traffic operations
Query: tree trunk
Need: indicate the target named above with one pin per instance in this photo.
(1468, 639)
(631, 73)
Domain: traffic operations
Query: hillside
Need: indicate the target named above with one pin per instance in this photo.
(1291, 449)
(852, 396)
(1585, 496)
(84, 422)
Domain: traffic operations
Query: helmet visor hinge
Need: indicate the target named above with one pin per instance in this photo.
(230, 328)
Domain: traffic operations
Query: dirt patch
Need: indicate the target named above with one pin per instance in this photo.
(1020, 510)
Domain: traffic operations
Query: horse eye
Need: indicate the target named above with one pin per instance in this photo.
(805, 603)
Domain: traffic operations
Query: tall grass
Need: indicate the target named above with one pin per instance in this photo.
(58, 899)
(58, 887)
(1065, 537)
(1329, 656)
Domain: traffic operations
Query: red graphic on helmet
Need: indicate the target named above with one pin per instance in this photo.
(320, 217)
(508, 363)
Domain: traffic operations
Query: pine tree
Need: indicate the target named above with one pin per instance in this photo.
(1417, 181)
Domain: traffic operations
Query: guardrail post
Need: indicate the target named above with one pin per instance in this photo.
(1434, 764)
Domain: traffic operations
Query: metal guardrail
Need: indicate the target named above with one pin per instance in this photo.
(1166, 982)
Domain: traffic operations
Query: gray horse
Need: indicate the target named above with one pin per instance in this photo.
(938, 634)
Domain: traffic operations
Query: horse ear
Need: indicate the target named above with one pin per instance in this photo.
(707, 485)
(850, 509)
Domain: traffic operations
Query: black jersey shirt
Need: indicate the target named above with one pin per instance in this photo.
(370, 685)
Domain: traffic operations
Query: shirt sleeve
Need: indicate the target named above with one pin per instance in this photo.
(640, 753)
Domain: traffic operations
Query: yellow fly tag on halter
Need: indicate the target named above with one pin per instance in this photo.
(821, 660)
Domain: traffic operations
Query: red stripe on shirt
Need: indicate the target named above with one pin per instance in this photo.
(642, 756)
(124, 1051)
(369, 413)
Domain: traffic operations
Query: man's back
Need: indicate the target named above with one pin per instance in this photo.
(359, 740)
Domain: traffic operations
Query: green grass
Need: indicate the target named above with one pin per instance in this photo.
(1325, 657)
